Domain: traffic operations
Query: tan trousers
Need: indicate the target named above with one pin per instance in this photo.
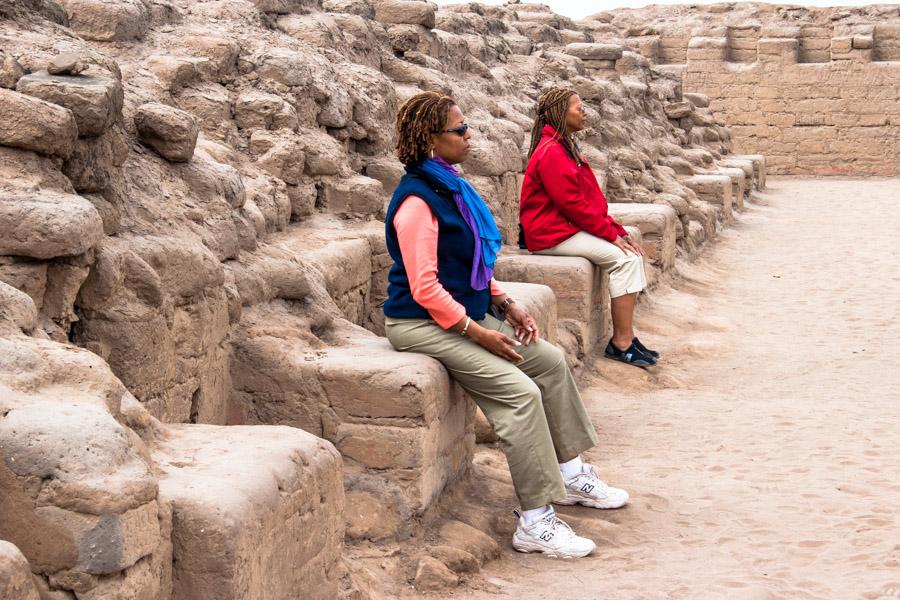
(533, 405)
(626, 271)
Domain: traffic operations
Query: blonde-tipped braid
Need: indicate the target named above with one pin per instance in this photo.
(552, 108)
(418, 119)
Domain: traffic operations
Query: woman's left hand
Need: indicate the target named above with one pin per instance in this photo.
(525, 326)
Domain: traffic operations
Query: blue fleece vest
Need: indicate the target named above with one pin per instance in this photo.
(455, 251)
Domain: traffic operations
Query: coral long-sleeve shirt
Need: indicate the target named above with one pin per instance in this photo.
(417, 234)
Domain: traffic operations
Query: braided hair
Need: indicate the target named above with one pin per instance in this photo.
(418, 119)
(552, 108)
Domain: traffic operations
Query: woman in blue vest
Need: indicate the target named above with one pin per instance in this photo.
(444, 243)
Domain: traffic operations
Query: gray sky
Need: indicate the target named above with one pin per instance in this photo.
(577, 9)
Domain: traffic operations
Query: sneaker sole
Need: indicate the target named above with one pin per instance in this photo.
(637, 363)
(529, 547)
(591, 503)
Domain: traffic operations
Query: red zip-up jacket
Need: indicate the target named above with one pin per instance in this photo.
(561, 198)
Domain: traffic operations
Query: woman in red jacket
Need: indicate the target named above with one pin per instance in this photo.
(564, 213)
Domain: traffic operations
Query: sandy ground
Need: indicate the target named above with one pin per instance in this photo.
(763, 454)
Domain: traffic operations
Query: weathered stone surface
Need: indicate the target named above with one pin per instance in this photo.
(433, 575)
(17, 310)
(408, 12)
(359, 195)
(33, 124)
(94, 160)
(678, 110)
(592, 51)
(66, 63)
(108, 20)
(257, 512)
(715, 189)
(95, 102)
(465, 537)
(10, 71)
(258, 110)
(44, 225)
(16, 580)
(170, 131)
(657, 226)
(456, 559)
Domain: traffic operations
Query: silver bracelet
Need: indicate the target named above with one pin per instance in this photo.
(465, 328)
(505, 304)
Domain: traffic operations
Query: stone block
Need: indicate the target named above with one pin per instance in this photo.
(95, 102)
(16, 580)
(702, 48)
(591, 51)
(33, 124)
(698, 100)
(600, 65)
(177, 72)
(170, 131)
(17, 310)
(258, 110)
(257, 512)
(714, 189)
(678, 110)
(405, 12)
(580, 290)
(359, 195)
(779, 50)
(106, 543)
(759, 167)
(740, 184)
(10, 71)
(539, 301)
(47, 224)
(93, 160)
(657, 224)
(108, 20)
(746, 166)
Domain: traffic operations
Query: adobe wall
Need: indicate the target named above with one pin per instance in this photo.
(816, 91)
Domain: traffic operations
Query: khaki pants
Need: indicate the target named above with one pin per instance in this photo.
(626, 271)
(533, 405)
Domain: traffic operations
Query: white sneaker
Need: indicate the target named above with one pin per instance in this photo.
(587, 489)
(551, 536)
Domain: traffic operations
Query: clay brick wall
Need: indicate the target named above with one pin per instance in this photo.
(815, 98)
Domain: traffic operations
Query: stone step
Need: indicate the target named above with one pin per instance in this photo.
(403, 427)
(657, 224)
(257, 512)
(759, 167)
(740, 185)
(714, 189)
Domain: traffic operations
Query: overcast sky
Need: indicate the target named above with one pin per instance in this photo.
(577, 9)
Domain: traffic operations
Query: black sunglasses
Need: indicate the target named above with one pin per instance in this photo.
(460, 131)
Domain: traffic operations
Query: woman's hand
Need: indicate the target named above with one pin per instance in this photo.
(626, 245)
(494, 341)
(525, 326)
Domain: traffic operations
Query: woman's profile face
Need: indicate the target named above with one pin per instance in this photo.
(575, 114)
(452, 143)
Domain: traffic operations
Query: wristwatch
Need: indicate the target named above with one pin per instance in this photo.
(506, 304)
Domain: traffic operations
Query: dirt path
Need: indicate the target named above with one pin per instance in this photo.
(763, 455)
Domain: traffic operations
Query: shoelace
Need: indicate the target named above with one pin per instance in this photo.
(557, 524)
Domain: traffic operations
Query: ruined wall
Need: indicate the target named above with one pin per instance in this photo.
(815, 90)
(192, 257)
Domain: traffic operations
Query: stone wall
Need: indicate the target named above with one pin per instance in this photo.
(815, 90)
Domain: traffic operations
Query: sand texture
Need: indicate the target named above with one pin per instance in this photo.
(762, 454)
